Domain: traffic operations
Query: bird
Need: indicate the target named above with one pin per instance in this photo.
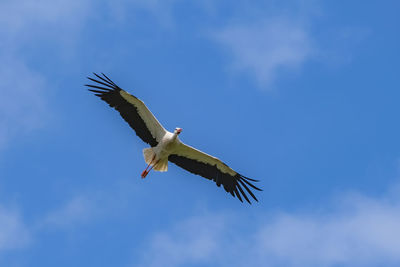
(165, 146)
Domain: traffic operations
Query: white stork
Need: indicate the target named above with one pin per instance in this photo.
(166, 146)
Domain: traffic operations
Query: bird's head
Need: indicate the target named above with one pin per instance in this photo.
(177, 130)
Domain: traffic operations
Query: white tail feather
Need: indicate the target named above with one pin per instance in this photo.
(162, 165)
(148, 154)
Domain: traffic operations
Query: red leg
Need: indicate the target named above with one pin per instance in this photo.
(153, 166)
(145, 172)
(148, 165)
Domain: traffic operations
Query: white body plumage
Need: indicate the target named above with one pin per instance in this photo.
(158, 155)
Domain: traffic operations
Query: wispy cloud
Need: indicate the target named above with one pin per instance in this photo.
(23, 90)
(160, 10)
(87, 207)
(39, 15)
(13, 232)
(190, 241)
(265, 47)
(76, 211)
(359, 231)
(22, 104)
(364, 231)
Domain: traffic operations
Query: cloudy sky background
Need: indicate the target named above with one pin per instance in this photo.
(302, 95)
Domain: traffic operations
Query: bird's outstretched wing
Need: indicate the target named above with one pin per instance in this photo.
(131, 108)
(207, 166)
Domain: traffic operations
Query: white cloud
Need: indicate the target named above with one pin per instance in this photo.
(13, 233)
(193, 240)
(161, 10)
(365, 232)
(17, 16)
(87, 207)
(267, 46)
(24, 23)
(76, 211)
(22, 104)
(360, 231)
(23, 90)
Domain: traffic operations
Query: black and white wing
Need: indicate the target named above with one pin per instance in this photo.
(131, 108)
(207, 166)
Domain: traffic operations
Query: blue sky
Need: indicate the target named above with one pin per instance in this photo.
(302, 95)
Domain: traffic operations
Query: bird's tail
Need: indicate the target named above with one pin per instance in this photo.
(162, 165)
(148, 154)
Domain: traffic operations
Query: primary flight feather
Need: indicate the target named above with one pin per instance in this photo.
(166, 146)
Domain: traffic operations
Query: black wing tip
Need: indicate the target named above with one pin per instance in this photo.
(241, 181)
(103, 81)
(105, 76)
(237, 194)
(234, 184)
(98, 91)
(95, 91)
(247, 179)
(243, 194)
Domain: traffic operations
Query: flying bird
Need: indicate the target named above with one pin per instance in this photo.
(166, 146)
